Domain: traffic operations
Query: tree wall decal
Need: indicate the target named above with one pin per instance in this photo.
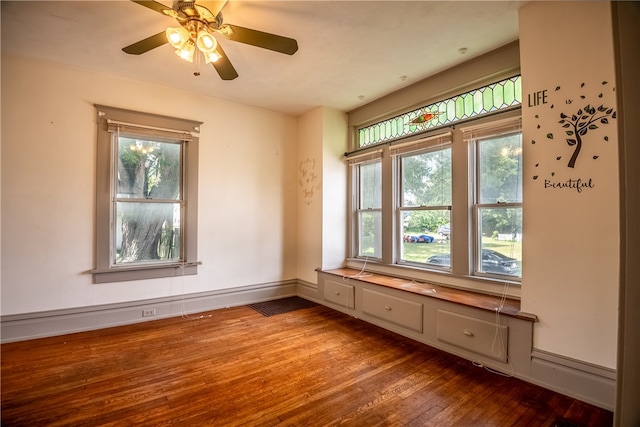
(584, 120)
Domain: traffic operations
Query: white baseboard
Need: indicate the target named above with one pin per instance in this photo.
(20, 327)
(308, 290)
(581, 380)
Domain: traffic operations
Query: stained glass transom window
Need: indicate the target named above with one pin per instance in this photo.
(501, 95)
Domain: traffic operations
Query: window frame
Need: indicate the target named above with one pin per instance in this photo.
(432, 144)
(462, 271)
(356, 207)
(473, 136)
(146, 125)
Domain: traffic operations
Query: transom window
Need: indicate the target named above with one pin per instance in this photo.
(499, 96)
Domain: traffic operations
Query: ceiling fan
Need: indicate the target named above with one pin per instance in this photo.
(194, 38)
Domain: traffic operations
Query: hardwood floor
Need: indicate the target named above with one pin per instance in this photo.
(235, 367)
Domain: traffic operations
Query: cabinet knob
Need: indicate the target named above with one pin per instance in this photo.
(386, 307)
(467, 332)
(337, 292)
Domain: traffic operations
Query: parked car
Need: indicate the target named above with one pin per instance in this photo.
(492, 262)
(422, 238)
(440, 259)
(425, 238)
(444, 230)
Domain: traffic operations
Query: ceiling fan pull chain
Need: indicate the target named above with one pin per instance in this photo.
(196, 63)
(196, 56)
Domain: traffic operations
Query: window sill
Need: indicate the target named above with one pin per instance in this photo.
(476, 284)
(141, 272)
(510, 306)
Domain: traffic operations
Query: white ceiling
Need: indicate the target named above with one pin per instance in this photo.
(350, 52)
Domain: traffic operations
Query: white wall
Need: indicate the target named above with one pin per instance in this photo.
(247, 188)
(571, 253)
(334, 194)
(309, 192)
(322, 191)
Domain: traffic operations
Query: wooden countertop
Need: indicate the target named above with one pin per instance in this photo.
(510, 307)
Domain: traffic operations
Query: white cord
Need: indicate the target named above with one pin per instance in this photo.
(493, 371)
(498, 339)
(361, 273)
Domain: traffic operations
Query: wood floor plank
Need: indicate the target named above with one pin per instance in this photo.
(236, 367)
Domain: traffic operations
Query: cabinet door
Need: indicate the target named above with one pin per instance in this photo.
(482, 337)
(400, 311)
(339, 293)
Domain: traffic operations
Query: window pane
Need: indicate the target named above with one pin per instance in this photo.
(426, 179)
(500, 240)
(371, 185)
(500, 167)
(148, 169)
(147, 232)
(425, 236)
(370, 239)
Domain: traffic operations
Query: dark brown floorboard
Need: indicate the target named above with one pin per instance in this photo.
(236, 367)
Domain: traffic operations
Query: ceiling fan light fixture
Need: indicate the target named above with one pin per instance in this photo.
(211, 56)
(187, 51)
(206, 42)
(177, 36)
(226, 30)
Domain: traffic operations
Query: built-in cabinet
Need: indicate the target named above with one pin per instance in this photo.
(481, 328)
(488, 330)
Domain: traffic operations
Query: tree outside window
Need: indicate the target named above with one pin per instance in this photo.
(148, 200)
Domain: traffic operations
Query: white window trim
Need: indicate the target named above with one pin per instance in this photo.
(147, 124)
(437, 141)
(473, 135)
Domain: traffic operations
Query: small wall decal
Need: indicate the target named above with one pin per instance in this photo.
(308, 179)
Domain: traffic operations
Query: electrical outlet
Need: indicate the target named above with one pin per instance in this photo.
(149, 312)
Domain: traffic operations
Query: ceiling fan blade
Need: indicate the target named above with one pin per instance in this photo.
(153, 5)
(261, 39)
(147, 44)
(214, 6)
(223, 66)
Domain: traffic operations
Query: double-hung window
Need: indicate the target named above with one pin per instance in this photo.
(497, 195)
(146, 196)
(367, 178)
(424, 201)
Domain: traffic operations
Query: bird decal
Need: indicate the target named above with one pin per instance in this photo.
(423, 119)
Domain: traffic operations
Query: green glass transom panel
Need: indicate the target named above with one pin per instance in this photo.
(497, 96)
